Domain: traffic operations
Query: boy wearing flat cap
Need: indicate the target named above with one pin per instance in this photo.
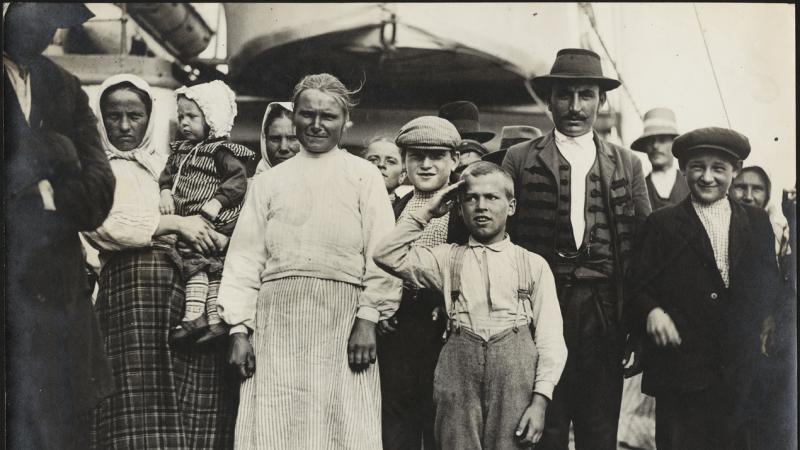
(410, 341)
(703, 279)
(505, 350)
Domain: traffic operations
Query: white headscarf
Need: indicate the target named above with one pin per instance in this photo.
(265, 162)
(146, 153)
(218, 103)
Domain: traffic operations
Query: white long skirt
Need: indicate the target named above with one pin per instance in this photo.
(304, 394)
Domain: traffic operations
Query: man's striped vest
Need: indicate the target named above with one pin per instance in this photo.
(542, 223)
(199, 177)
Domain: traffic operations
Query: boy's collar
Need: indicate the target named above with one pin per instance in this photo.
(498, 246)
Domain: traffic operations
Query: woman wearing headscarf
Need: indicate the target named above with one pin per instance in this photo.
(299, 276)
(165, 398)
(278, 137)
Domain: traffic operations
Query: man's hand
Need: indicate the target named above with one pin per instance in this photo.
(361, 347)
(241, 355)
(211, 208)
(531, 425)
(441, 203)
(661, 328)
(632, 360)
(387, 326)
(166, 204)
(767, 337)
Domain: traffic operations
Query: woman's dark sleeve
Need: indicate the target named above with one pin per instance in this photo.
(233, 173)
(165, 179)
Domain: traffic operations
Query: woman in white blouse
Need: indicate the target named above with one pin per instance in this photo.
(165, 397)
(299, 276)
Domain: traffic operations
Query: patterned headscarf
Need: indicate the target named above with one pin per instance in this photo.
(265, 163)
(146, 154)
(218, 103)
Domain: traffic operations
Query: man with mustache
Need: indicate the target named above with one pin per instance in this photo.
(409, 342)
(580, 200)
(665, 184)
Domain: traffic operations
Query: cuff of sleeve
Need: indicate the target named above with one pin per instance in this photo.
(545, 388)
(416, 215)
(223, 200)
(368, 313)
(239, 329)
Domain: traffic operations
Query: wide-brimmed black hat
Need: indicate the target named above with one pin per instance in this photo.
(724, 140)
(574, 64)
(56, 15)
(464, 115)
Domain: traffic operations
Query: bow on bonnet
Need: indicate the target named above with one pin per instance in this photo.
(218, 103)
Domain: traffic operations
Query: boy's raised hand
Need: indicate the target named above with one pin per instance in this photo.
(441, 203)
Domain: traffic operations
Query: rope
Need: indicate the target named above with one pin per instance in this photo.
(589, 11)
(711, 63)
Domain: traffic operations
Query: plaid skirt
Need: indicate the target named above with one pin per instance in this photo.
(165, 398)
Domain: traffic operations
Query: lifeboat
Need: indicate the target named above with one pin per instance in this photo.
(408, 59)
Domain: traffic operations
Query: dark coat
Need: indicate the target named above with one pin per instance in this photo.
(56, 365)
(674, 268)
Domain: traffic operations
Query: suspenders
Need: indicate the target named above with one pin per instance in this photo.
(524, 289)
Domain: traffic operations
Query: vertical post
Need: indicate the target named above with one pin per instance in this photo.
(123, 29)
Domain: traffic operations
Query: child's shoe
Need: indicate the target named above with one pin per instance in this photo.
(184, 332)
(213, 331)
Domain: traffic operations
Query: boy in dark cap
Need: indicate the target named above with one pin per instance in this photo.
(703, 279)
(58, 182)
(469, 151)
(409, 342)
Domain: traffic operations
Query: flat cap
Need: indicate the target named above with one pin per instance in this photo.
(711, 138)
(428, 133)
(470, 145)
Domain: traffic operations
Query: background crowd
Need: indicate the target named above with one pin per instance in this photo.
(238, 311)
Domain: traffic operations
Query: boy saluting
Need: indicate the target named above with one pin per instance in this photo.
(505, 350)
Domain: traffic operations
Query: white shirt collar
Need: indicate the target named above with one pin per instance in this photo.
(497, 246)
(584, 141)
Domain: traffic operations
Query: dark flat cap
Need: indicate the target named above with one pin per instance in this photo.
(470, 145)
(712, 138)
(428, 133)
